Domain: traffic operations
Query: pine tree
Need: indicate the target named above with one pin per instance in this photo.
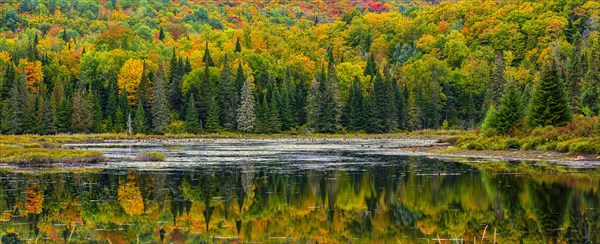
(549, 103)
(9, 79)
(355, 116)
(399, 104)
(212, 119)
(283, 102)
(591, 82)
(496, 87)
(414, 113)
(77, 117)
(88, 112)
(160, 103)
(274, 118)
(262, 114)
(238, 46)
(371, 69)
(161, 34)
(322, 108)
(228, 97)
(239, 79)
(139, 121)
(63, 115)
(16, 106)
(119, 121)
(192, 123)
(29, 119)
(96, 125)
(575, 74)
(382, 112)
(488, 128)
(207, 58)
(510, 112)
(175, 95)
(246, 114)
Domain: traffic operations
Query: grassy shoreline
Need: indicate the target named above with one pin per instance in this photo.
(50, 149)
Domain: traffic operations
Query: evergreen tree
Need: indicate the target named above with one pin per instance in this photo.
(119, 121)
(29, 119)
(161, 34)
(144, 94)
(192, 123)
(488, 128)
(496, 87)
(575, 74)
(283, 103)
(139, 121)
(246, 114)
(207, 59)
(212, 119)
(88, 112)
(96, 125)
(63, 115)
(238, 46)
(399, 104)
(510, 111)
(175, 95)
(382, 110)
(371, 69)
(228, 97)
(591, 82)
(549, 103)
(77, 116)
(413, 113)
(160, 103)
(16, 106)
(262, 114)
(274, 118)
(355, 117)
(10, 76)
(322, 108)
(239, 79)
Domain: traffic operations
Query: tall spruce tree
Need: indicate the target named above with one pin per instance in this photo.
(212, 119)
(78, 115)
(228, 99)
(16, 106)
(355, 117)
(549, 103)
(246, 114)
(175, 94)
(238, 46)
(510, 113)
(496, 87)
(139, 121)
(575, 73)
(192, 122)
(207, 59)
(322, 108)
(381, 116)
(160, 103)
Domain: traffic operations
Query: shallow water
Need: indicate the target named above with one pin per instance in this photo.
(294, 191)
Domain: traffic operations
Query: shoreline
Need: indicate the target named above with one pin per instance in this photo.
(423, 143)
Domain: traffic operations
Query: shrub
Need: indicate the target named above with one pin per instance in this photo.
(150, 156)
(588, 147)
(512, 143)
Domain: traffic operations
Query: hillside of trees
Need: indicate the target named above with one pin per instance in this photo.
(90, 66)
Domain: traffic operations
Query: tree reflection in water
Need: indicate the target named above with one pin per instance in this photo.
(409, 200)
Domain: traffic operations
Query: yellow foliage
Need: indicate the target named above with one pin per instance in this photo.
(5, 57)
(130, 196)
(130, 77)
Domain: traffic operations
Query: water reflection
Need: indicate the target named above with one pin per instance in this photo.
(412, 200)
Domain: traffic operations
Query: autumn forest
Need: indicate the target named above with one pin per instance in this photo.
(138, 66)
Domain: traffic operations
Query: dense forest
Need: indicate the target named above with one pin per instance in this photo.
(89, 66)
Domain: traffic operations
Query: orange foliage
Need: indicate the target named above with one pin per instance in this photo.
(34, 200)
(33, 75)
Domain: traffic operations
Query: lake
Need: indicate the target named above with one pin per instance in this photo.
(323, 191)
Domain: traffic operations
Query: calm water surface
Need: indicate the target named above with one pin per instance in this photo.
(290, 191)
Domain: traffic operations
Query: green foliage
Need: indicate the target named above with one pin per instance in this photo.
(192, 122)
(139, 121)
(549, 104)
